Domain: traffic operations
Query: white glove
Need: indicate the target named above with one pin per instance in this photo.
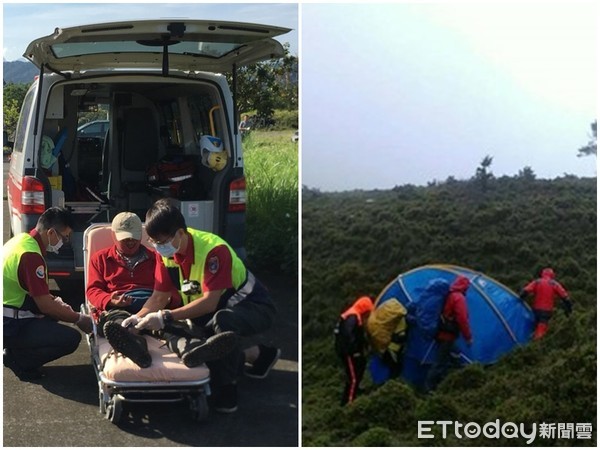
(152, 321)
(131, 320)
(84, 323)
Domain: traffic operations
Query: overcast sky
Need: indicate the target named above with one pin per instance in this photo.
(397, 94)
(24, 22)
(409, 93)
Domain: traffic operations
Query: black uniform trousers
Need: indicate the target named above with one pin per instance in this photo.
(31, 343)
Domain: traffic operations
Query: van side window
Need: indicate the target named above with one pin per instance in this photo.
(23, 119)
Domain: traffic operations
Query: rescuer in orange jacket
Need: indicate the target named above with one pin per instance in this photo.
(351, 345)
(545, 289)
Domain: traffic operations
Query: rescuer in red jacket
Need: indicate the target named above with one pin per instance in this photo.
(351, 345)
(454, 321)
(545, 289)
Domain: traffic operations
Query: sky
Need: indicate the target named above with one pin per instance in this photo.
(396, 94)
(408, 93)
(24, 22)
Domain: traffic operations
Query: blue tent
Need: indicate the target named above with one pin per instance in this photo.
(499, 320)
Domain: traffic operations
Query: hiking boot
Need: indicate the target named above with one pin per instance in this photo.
(267, 358)
(185, 328)
(130, 345)
(225, 399)
(215, 347)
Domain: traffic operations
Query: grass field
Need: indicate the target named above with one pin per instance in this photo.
(271, 168)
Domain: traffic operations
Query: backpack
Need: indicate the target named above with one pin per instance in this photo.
(171, 169)
(427, 311)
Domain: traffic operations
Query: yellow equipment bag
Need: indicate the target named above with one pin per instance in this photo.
(384, 321)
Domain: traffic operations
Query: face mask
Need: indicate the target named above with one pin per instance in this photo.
(166, 250)
(56, 247)
(128, 247)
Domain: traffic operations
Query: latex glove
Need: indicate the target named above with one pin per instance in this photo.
(131, 320)
(84, 323)
(152, 321)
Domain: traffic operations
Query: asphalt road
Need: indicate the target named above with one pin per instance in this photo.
(62, 408)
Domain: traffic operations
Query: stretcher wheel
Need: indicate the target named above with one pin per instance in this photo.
(199, 407)
(114, 409)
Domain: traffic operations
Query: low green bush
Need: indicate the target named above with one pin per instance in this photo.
(283, 120)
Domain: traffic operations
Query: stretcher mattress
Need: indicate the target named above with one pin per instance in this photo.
(166, 365)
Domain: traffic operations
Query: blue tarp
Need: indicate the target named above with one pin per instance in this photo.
(499, 320)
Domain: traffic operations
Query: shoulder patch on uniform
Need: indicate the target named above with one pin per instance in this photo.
(213, 264)
(40, 272)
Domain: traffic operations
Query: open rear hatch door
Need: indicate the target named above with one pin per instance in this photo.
(188, 45)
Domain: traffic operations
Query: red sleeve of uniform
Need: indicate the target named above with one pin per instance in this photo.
(217, 270)
(462, 317)
(32, 274)
(162, 280)
(97, 291)
(560, 290)
(530, 288)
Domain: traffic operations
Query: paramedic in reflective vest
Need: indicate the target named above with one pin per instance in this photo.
(32, 334)
(454, 321)
(544, 290)
(219, 294)
(351, 345)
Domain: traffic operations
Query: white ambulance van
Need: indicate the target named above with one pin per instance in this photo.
(171, 126)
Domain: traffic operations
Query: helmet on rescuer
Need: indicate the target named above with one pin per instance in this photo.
(214, 155)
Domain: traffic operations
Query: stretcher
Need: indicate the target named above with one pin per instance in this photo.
(120, 380)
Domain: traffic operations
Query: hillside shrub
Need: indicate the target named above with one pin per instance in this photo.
(357, 242)
(375, 437)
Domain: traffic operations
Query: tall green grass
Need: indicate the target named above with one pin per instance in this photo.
(271, 168)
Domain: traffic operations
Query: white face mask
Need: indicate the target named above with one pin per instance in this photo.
(56, 247)
(166, 249)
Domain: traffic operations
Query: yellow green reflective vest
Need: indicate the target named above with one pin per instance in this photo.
(13, 294)
(204, 242)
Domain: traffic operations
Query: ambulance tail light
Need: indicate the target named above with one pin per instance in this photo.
(237, 195)
(32, 196)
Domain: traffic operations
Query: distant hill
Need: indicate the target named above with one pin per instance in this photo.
(18, 71)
